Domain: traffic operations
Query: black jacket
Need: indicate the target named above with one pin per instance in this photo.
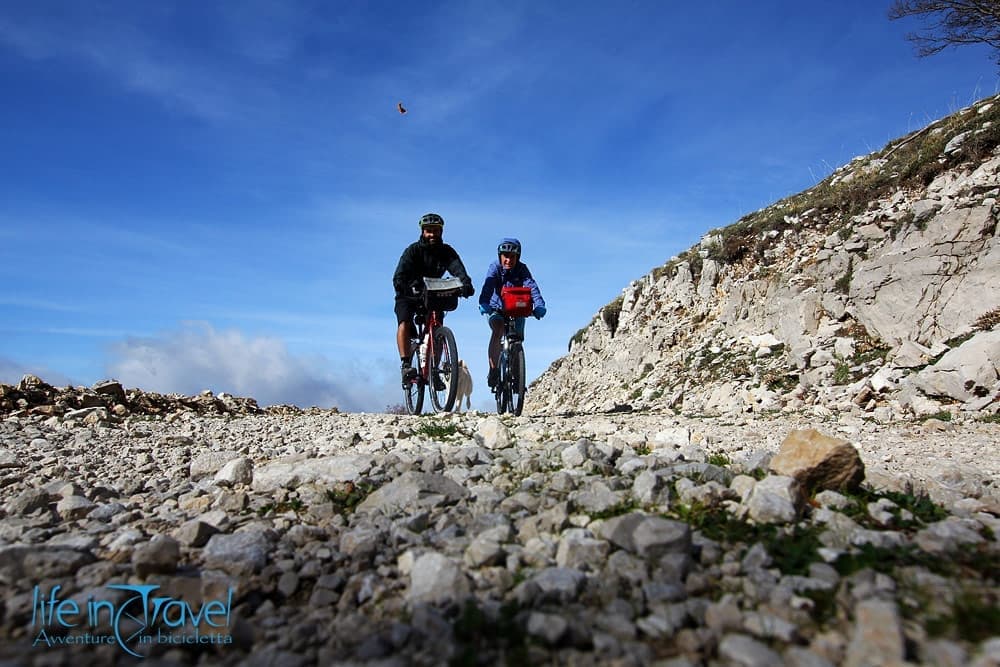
(425, 260)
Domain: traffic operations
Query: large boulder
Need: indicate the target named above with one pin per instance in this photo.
(966, 373)
(819, 461)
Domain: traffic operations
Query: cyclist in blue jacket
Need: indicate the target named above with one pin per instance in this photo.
(506, 271)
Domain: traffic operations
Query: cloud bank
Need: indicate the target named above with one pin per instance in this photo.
(196, 357)
(11, 372)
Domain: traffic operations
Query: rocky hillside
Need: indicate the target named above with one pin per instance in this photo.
(875, 292)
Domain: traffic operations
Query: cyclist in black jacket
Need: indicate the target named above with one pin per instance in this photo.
(428, 257)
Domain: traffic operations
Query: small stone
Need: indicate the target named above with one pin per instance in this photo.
(158, 556)
(74, 507)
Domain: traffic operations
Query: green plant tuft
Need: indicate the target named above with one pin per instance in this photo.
(975, 617)
(291, 505)
(348, 495)
(624, 507)
(435, 430)
(480, 639)
(792, 549)
(719, 459)
(842, 373)
(611, 313)
(920, 505)
(940, 415)
(843, 283)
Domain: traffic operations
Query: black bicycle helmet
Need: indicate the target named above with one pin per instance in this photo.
(512, 246)
(431, 219)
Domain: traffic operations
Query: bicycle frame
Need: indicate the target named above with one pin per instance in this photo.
(510, 334)
(425, 332)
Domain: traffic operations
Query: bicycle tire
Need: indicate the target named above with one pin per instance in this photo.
(504, 403)
(413, 391)
(498, 389)
(444, 371)
(517, 379)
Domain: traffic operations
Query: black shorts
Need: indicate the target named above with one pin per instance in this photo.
(406, 309)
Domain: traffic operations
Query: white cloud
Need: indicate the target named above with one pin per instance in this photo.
(18, 301)
(11, 372)
(197, 357)
(124, 48)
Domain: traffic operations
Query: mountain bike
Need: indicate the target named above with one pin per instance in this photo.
(435, 349)
(509, 389)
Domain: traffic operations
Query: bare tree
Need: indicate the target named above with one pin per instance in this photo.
(951, 23)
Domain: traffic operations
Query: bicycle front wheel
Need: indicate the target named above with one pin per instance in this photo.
(444, 370)
(413, 391)
(516, 369)
(502, 390)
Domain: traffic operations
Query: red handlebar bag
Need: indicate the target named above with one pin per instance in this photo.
(516, 301)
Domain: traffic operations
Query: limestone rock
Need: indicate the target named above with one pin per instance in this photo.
(775, 499)
(413, 490)
(493, 434)
(436, 578)
(967, 372)
(819, 462)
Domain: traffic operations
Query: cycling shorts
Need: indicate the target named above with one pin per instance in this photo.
(406, 308)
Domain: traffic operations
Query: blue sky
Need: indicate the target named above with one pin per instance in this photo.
(214, 195)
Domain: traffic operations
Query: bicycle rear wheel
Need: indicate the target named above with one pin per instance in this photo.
(516, 368)
(413, 391)
(444, 370)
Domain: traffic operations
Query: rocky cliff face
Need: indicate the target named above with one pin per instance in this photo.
(877, 291)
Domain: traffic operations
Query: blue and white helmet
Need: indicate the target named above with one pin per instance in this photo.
(508, 245)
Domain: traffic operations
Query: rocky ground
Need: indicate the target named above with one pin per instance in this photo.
(623, 539)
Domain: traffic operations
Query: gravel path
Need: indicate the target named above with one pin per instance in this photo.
(326, 538)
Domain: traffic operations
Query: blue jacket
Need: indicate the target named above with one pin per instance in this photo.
(496, 277)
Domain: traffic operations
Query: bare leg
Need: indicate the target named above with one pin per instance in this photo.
(403, 340)
(494, 348)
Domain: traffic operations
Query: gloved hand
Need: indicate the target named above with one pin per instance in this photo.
(484, 310)
(539, 312)
(468, 290)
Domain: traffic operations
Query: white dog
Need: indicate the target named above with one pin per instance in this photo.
(464, 387)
